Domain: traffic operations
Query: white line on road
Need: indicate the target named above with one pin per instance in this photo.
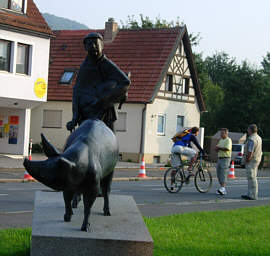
(17, 212)
(3, 194)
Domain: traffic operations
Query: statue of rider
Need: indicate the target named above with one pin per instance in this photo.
(99, 85)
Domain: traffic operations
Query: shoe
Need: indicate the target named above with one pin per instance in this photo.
(247, 197)
(221, 192)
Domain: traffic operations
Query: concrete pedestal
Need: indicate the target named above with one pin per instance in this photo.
(123, 233)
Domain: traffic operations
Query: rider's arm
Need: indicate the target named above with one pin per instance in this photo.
(195, 141)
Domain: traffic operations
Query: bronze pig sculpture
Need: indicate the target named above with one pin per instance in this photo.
(85, 167)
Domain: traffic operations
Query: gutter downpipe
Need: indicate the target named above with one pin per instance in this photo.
(142, 131)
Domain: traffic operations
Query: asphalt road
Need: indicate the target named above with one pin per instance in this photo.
(17, 199)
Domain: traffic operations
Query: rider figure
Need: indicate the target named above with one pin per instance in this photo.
(99, 85)
(182, 146)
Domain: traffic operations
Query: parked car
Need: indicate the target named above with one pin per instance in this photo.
(238, 154)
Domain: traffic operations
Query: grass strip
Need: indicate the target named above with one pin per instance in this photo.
(241, 232)
(15, 242)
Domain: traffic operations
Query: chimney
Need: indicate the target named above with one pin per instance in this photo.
(111, 29)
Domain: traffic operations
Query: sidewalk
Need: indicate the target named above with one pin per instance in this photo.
(12, 170)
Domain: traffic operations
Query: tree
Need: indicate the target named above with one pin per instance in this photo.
(266, 64)
(220, 67)
(147, 23)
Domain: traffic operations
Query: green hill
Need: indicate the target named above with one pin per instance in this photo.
(59, 23)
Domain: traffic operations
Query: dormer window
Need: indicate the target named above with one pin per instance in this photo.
(14, 5)
(67, 77)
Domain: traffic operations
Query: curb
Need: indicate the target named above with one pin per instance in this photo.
(114, 179)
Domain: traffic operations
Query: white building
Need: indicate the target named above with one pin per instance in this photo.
(164, 95)
(24, 60)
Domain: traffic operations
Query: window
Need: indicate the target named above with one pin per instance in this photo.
(52, 118)
(22, 62)
(5, 50)
(169, 83)
(179, 123)
(121, 122)
(15, 5)
(67, 77)
(161, 124)
(186, 89)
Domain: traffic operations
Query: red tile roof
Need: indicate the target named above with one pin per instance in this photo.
(31, 21)
(145, 53)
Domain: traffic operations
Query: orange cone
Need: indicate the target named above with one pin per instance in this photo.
(27, 176)
(231, 172)
(142, 173)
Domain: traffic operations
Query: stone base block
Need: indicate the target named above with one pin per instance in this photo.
(123, 233)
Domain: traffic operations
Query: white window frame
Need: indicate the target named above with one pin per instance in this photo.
(23, 9)
(46, 125)
(164, 124)
(10, 61)
(117, 124)
(183, 123)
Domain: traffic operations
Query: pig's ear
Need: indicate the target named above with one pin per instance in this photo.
(66, 164)
(48, 148)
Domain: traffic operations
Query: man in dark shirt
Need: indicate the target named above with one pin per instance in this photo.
(99, 85)
(182, 146)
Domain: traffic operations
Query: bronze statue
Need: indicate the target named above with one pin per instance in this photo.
(86, 166)
(99, 85)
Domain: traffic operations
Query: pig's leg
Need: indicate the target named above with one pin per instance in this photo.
(106, 189)
(68, 195)
(89, 198)
(75, 200)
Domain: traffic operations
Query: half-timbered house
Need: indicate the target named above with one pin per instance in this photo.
(164, 95)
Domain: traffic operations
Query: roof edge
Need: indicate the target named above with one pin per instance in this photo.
(26, 31)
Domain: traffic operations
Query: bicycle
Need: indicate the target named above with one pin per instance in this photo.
(175, 177)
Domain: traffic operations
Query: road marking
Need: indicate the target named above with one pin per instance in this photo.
(17, 212)
(116, 190)
(154, 185)
(3, 194)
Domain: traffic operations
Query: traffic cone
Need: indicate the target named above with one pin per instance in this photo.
(142, 173)
(27, 176)
(231, 172)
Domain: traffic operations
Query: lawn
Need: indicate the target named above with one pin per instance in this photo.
(241, 232)
(15, 242)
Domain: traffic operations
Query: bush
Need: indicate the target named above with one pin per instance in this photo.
(266, 145)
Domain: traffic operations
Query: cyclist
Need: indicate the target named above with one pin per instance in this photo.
(182, 146)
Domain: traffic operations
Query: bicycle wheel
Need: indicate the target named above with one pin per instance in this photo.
(203, 180)
(173, 180)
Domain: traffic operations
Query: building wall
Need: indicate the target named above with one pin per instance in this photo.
(57, 136)
(21, 132)
(19, 86)
(160, 145)
(129, 140)
(17, 94)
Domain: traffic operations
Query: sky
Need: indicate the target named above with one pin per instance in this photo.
(240, 28)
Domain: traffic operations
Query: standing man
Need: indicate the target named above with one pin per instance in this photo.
(224, 149)
(253, 155)
(99, 85)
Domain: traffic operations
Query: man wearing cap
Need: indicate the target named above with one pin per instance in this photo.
(99, 85)
(253, 155)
